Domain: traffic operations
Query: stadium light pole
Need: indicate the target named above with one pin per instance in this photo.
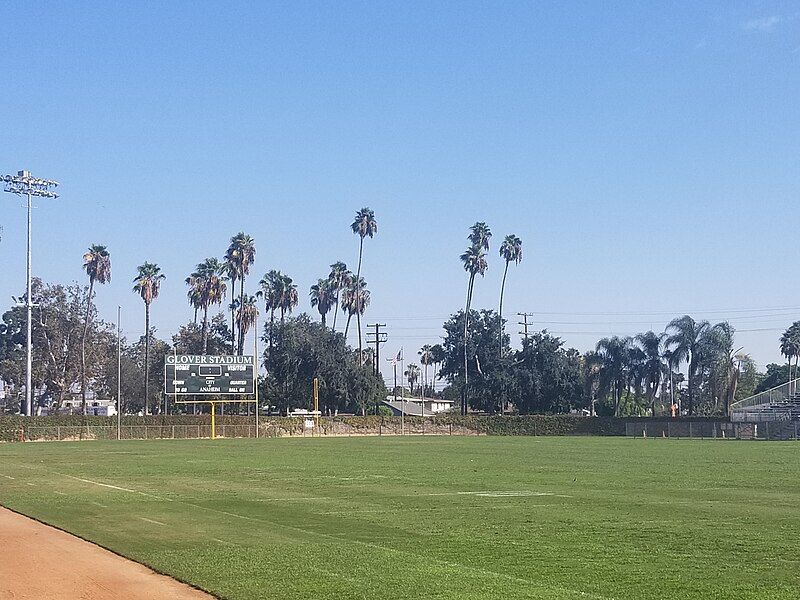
(119, 372)
(24, 184)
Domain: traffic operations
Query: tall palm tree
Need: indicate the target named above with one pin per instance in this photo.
(246, 314)
(511, 251)
(355, 300)
(613, 353)
(651, 344)
(231, 272)
(412, 374)
(426, 358)
(474, 260)
(206, 287)
(363, 225)
(147, 284)
(685, 341)
(790, 346)
(437, 356)
(271, 286)
(288, 297)
(97, 264)
(340, 278)
(241, 254)
(322, 297)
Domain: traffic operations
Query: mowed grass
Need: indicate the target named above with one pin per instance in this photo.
(431, 517)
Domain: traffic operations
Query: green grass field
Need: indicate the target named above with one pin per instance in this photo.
(426, 517)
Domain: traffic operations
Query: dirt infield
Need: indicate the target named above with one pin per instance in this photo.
(44, 563)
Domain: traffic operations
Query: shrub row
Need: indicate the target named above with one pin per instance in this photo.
(11, 426)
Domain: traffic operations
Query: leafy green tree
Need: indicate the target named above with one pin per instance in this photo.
(57, 341)
(482, 348)
(304, 349)
(147, 284)
(547, 376)
(97, 264)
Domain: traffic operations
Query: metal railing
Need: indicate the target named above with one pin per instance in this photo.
(768, 430)
(780, 393)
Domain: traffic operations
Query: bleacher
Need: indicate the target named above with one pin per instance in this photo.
(781, 403)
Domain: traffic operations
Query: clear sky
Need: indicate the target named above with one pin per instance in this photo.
(647, 153)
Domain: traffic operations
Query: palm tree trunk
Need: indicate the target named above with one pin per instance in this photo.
(205, 329)
(502, 291)
(323, 320)
(358, 321)
(146, 355)
(233, 331)
(466, 329)
(336, 310)
(83, 346)
(346, 327)
(360, 254)
(241, 306)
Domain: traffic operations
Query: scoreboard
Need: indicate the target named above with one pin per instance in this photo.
(190, 374)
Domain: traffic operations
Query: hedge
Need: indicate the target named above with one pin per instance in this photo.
(10, 426)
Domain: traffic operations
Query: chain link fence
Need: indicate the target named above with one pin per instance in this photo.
(772, 430)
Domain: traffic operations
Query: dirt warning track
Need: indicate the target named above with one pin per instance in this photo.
(44, 563)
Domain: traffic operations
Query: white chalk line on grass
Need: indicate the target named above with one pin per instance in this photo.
(153, 521)
(495, 494)
(454, 565)
(60, 493)
(100, 505)
(9, 477)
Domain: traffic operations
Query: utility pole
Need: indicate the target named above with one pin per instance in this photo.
(380, 337)
(525, 323)
(23, 184)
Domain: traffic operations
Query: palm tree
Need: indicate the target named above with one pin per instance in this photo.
(322, 297)
(241, 254)
(426, 358)
(592, 364)
(510, 250)
(363, 225)
(231, 272)
(651, 345)
(147, 284)
(97, 264)
(685, 342)
(271, 285)
(246, 314)
(340, 278)
(206, 287)
(288, 297)
(474, 259)
(355, 300)
(790, 346)
(437, 356)
(613, 353)
(412, 374)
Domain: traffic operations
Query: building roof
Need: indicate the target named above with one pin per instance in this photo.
(408, 407)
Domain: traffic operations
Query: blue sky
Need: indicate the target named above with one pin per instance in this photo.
(646, 153)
